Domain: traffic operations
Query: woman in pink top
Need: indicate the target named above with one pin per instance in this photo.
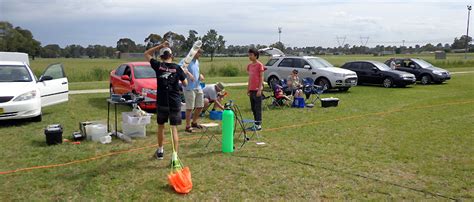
(255, 87)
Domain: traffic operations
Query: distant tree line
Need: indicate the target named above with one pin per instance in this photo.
(17, 39)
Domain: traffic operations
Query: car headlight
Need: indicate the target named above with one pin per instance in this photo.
(26, 96)
(437, 72)
(146, 91)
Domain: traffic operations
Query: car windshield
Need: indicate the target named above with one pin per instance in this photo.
(14, 73)
(319, 63)
(143, 72)
(382, 66)
(422, 63)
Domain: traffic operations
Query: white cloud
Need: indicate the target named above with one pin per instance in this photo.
(305, 23)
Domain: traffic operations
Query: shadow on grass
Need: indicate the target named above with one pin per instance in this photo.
(381, 86)
(15, 122)
(20, 122)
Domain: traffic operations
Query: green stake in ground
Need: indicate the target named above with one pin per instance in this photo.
(227, 130)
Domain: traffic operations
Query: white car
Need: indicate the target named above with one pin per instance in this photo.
(321, 71)
(22, 95)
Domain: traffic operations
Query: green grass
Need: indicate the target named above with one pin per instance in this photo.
(85, 70)
(411, 143)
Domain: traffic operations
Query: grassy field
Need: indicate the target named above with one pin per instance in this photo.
(411, 143)
(86, 70)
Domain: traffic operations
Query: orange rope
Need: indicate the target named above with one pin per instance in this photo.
(192, 138)
(85, 160)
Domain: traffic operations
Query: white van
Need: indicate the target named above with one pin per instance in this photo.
(22, 95)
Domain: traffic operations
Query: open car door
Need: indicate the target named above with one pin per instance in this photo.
(53, 85)
(274, 52)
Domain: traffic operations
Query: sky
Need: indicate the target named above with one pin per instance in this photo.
(303, 22)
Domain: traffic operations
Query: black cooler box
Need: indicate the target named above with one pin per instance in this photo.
(329, 102)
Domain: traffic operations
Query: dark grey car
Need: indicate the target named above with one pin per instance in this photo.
(373, 72)
(424, 71)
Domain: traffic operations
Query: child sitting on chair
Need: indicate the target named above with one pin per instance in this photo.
(280, 95)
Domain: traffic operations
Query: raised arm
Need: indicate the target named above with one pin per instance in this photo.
(149, 53)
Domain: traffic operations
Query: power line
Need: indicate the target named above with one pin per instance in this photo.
(364, 40)
(341, 38)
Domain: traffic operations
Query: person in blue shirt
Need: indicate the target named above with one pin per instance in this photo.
(193, 94)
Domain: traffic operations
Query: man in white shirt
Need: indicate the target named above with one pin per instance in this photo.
(213, 94)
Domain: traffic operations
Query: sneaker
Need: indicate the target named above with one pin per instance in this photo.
(189, 129)
(195, 125)
(159, 155)
(255, 128)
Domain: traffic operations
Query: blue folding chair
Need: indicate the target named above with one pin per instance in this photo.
(309, 88)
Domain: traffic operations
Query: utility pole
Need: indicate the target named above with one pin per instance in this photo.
(279, 34)
(469, 8)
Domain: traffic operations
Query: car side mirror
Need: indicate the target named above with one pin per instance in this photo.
(307, 67)
(45, 78)
(125, 77)
(374, 69)
(412, 66)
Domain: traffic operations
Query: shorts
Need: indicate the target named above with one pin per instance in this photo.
(174, 117)
(194, 98)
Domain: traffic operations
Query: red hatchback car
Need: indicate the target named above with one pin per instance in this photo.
(135, 77)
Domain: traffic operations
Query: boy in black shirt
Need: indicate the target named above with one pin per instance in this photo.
(168, 102)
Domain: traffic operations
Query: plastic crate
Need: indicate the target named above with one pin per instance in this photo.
(215, 115)
(134, 130)
(134, 118)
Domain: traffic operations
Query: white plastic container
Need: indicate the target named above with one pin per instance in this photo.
(96, 131)
(134, 118)
(105, 139)
(134, 130)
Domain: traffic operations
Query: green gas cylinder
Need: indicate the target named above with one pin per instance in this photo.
(228, 130)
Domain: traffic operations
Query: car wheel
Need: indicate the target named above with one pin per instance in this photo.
(323, 83)
(271, 81)
(38, 118)
(387, 82)
(345, 89)
(425, 79)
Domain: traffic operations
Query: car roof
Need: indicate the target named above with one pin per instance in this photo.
(292, 56)
(371, 61)
(12, 63)
(405, 58)
(138, 63)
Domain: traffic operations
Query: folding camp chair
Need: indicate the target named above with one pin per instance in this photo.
(267, 99)
(309, 88)
(206, 132)
(246, 125)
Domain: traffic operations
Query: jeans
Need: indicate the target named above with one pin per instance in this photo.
(256, 105)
